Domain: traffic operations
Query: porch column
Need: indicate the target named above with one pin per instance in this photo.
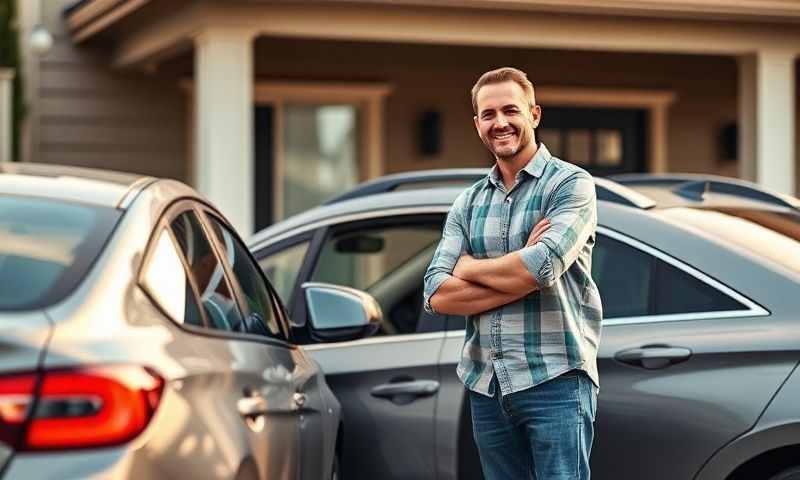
(6, 113)
(224, 122)
(766, 119)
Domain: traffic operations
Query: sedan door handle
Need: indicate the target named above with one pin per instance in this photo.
(252, 406)
(299, 400)
(654, 357)
(412, 389)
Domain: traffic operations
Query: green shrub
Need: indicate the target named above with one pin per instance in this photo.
(10, 58)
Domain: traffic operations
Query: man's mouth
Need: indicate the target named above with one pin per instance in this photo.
(503, 135)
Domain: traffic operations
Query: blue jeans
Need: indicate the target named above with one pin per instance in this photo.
(542, 433)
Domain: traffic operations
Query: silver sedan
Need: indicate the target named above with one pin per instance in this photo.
(138, 339)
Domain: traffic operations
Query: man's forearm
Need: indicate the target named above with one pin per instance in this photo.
(460, 297)
(507, 274)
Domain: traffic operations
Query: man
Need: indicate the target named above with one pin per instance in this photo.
(515, 258)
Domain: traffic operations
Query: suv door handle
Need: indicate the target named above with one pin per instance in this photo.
(413, 389)
(252, 406)
(654, 357)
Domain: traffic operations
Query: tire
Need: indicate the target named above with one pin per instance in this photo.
(792, 473)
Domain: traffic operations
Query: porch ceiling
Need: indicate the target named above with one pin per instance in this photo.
(612, 25)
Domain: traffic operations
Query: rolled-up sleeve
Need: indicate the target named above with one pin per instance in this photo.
(573, 220)
(451, 247)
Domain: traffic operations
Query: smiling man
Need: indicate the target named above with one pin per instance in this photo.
(515, 258)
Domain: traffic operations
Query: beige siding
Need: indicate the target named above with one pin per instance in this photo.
(91, 115)
(439, 77)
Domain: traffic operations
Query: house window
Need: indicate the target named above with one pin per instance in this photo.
(604, 141)
(313, 142)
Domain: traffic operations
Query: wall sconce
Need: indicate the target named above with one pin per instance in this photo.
(728, 143)
(429, 133)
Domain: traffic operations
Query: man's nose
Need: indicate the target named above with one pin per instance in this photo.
(501, 121)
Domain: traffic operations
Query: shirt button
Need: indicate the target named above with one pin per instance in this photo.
(508, 200)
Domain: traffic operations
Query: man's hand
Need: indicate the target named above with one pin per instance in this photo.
(537, 232)
(462, 266)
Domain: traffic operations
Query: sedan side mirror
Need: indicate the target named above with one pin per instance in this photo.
(339, 313)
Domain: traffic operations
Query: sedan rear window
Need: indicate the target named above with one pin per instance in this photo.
(771, 234)
(46, 248)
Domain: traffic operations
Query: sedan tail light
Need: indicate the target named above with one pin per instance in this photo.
(77, 408)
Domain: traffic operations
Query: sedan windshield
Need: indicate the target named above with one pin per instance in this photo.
(770, 234)
(46, 247)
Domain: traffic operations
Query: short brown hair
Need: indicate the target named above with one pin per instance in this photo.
(500, 75)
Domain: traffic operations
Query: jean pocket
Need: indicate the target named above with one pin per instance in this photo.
(587, 396)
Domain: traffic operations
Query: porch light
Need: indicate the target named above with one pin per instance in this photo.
(40, 39)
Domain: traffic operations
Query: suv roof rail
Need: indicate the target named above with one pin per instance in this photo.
(392, 182)
(606, 189)
(695, 186)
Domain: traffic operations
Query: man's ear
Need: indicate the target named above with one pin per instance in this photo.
(477, 127)
(536, 115)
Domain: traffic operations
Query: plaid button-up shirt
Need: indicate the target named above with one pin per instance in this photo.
(554, 329)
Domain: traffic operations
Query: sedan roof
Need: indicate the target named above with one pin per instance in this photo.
(84, 185)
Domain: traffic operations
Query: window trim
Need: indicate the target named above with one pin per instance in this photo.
(164, 224)
(208, 215)
(168, 214)
(367, 98)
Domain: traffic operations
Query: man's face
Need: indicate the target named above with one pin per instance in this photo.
(505, 120)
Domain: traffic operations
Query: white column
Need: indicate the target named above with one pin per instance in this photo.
(767, 119)
(224, 123)
(6, 112)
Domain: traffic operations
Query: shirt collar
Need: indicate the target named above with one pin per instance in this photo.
(534, 168)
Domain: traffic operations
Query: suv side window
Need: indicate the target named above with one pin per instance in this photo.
(216, 296)
(388, 262)
(261, 318)
(282, 268)
(634, 283)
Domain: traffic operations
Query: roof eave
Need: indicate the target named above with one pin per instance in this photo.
(86, 18)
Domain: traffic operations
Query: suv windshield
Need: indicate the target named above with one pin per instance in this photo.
(46, 247)
(770, 234)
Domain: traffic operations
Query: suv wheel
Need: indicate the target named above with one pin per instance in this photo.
(792, 473)
(335, 472)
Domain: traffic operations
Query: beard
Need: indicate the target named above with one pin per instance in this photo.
(508, 150)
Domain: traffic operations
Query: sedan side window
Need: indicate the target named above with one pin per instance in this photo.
(633, 283)
(387, 262)
(261, 318)
(216, 295)
(164, 279)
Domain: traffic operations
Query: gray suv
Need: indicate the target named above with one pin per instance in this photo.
(699, 278)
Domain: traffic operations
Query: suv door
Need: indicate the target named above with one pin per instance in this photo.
(387, 384)
(247, 361)
(675, 354)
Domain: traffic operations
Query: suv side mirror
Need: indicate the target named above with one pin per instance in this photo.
(339, 313)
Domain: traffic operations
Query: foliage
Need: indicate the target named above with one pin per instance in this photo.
(10, 58)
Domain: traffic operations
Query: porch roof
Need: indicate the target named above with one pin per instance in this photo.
(87, 18)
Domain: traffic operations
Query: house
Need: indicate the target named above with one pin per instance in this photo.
(269, 107)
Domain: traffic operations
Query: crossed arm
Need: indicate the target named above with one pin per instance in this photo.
(458, 284)
(480, 285)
